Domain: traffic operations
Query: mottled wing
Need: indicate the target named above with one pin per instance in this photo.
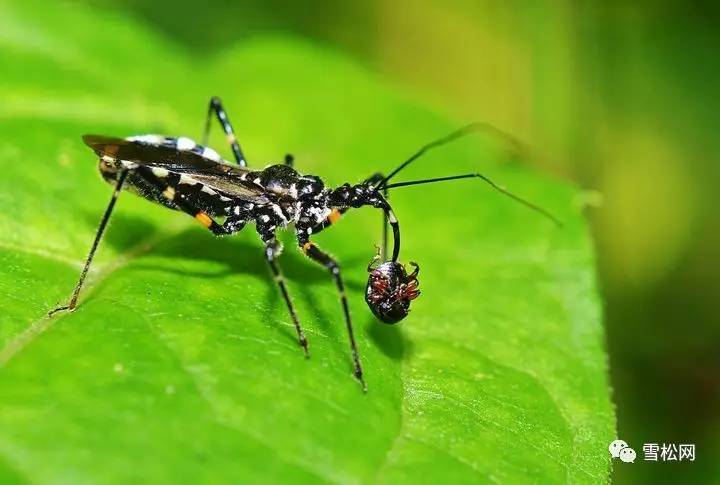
(217, 174)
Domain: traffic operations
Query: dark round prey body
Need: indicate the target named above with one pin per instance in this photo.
(390, 289)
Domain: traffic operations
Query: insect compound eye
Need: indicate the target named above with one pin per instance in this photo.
(390, 290)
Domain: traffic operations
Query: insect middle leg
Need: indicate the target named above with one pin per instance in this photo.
(101, 229)
(216, 107)
(319, 256)
(273, 248)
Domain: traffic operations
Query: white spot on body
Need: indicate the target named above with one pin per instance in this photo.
(320, 213)
(129, 165)
(210, 154)
(225, 199)
(160, 172)
(169, 193)
(391, 217)
(147, 139)
(184, 179)
(107, 159)
(184, 143)
(208, 190)
(276, 208)
(264, 218)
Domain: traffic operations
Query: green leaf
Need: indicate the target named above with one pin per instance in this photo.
(180, 363)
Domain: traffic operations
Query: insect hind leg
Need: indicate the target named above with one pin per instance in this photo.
(216, 107)
(98, 236)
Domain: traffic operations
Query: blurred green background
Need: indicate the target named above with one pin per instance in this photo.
(618, 96)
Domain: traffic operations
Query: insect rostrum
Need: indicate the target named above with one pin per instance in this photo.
(192, 178)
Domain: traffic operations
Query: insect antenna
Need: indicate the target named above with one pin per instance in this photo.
(465, 130)
(504, 191)
(514, 143)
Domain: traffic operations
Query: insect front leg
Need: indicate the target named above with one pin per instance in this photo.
(375, 179)
(319, 256)
(101, 229)
(266, 228)
(216, 107)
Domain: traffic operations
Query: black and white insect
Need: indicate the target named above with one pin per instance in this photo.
(189, 177)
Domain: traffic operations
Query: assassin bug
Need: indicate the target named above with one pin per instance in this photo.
(182, 175)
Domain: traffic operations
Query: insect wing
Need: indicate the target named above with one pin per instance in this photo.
(218, 175)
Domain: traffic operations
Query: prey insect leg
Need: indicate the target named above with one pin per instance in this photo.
(319, 256)
(216, 107)
(101, 229)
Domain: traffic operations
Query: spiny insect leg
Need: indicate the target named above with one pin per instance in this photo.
(217, 108)
(319, 256)
(395, 225)
(272, 251)
(103, 223)
(384, 241)
(375, 180)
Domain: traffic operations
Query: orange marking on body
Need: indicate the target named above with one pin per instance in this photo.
(334, 216)
(306, 247)
(204, 219)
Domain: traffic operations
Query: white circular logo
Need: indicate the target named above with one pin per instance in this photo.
(628, 455)
(616, 447)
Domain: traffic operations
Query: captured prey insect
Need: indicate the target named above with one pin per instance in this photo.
(182, 175)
